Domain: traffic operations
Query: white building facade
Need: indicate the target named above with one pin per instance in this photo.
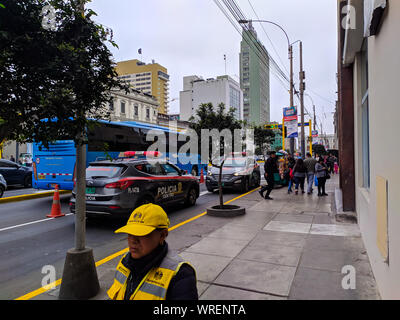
(196, 91)
(134, 106)
(370, 55)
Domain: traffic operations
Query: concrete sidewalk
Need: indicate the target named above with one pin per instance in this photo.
(288, 248)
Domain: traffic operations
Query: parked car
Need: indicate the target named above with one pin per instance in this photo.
(3, 185)
(238, 173)
(15, 174)
(117, 187)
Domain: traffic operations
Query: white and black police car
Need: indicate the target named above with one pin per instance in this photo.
(116, 187)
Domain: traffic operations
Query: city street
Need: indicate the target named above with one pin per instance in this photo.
(278, 104)
(29, 240)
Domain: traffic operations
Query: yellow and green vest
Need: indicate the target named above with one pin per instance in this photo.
(155, 283)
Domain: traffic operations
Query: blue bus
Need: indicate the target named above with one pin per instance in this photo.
(55, 165)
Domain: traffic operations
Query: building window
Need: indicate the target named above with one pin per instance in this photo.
(147, 113)
(112, 105)
(136, 110)
(234, 101)
(122, 106)
(365, 117)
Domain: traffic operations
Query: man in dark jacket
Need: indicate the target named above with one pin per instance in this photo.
(150, 271)
(270, 168)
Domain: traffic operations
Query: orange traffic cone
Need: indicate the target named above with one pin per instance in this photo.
(56, 207)
(201, 176)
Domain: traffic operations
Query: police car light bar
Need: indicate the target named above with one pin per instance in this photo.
(131, 154)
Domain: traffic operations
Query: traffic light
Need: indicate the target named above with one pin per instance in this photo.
(271, 126)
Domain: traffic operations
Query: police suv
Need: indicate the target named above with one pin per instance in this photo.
(117, 187)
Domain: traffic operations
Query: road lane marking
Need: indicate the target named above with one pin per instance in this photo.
(43, 220)
(28, 223)
(56, 283)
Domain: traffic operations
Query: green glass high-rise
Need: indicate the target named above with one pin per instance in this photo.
(254, 78)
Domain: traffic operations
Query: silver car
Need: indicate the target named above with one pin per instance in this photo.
(3, 185)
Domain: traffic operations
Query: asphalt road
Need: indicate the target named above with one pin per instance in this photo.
(29, 240)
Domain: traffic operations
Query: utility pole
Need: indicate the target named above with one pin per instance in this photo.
(315, 118)
(291, 91)
(302, 88)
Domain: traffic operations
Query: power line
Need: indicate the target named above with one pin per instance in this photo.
(262, 26)
(257, 47)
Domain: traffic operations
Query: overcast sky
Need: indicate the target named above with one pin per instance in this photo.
(190, 37)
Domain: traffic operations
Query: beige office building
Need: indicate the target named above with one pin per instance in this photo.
(151, 78)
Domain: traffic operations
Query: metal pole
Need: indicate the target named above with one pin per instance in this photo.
(310, 134)
(315, 118)
(291, 91)
(302, 85)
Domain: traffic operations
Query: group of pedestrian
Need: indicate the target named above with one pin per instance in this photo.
(309, 169)
(315, 170)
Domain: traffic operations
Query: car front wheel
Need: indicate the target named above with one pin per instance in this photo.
(28, 182)
(1, 191)
(191, 197)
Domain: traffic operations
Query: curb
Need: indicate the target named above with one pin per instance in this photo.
(31, 196)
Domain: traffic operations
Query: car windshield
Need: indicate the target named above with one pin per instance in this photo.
(98, 172)
(235, 162)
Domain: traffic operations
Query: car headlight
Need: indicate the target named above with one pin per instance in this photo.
(240, 173)
(209, 173)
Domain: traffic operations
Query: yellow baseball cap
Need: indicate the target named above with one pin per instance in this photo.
(144, 220)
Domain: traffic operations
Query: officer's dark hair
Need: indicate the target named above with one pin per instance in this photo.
(271, 152)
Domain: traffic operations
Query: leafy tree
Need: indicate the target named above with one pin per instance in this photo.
(262, 136)
(52, 80)
(208, 118)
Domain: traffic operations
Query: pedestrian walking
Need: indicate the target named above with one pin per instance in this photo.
(289, 173)
(270, 168)
(321, 171)
(12, 158)
(336, 167)
(150, 270)
(330, 162)
(310, 163)
(299, 174)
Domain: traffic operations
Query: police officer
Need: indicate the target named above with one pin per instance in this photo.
(150, 270)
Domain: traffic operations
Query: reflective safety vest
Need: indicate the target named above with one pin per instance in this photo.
(155, 283)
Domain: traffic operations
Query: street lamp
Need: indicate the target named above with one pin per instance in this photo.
(290, 50)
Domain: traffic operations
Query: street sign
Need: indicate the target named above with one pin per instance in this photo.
(290, 113)
(314, 133)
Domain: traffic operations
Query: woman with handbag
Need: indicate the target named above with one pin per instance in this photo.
(321, 172)
(299, 174)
